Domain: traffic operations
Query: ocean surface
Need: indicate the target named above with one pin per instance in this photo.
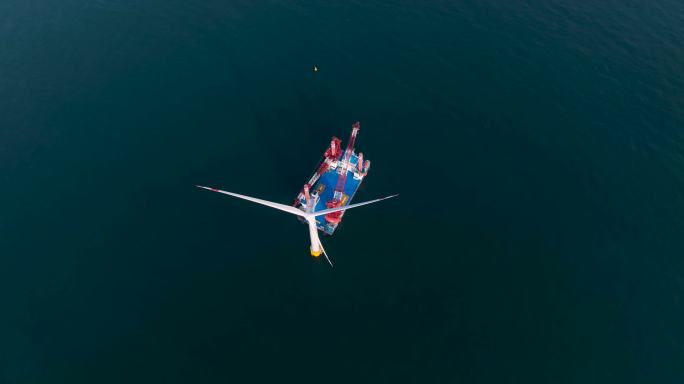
(537, 147)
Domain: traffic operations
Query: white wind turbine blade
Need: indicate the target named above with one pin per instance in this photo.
(282, 207)
(331, 210)
(316, 245)
(325, 253)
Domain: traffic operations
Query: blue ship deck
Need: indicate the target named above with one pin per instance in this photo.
(325, 188)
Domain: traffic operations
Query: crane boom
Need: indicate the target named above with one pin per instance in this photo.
(344, 164)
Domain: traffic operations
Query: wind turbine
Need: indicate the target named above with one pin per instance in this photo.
(309, 215)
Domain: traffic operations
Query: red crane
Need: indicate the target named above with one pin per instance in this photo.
(342, 169)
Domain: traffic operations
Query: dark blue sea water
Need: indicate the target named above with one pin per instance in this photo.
(538, 148)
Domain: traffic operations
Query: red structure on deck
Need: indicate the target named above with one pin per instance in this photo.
(342, 169)
(306, 195)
